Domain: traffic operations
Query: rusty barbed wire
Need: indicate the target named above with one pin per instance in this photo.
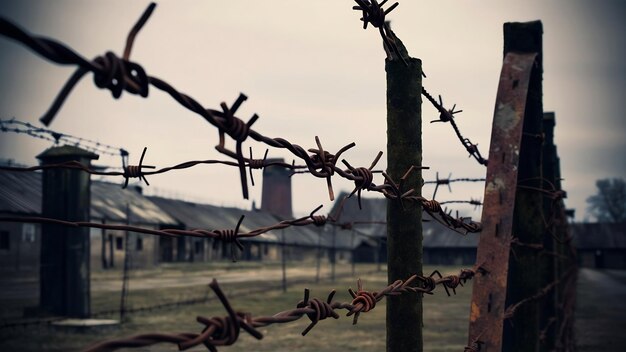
(448, 116)
(16, 126)
(120, 74)
(225, 331)
(447, 181)
(475, 202)
(374, 14)
(224, 235)
(132, 171)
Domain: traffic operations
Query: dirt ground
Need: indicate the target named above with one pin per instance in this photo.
(600, 312)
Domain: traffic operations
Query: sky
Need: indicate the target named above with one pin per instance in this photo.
(309, 69)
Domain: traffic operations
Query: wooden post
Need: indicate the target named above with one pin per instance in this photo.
(319, 255)
(283, 260)
(333, 255)
(127, 265)
(521, 332)
(103, 250)
(353, 251)
(404, 226)
(64, 270)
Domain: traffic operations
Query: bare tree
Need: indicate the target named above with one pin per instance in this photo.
(609, 205)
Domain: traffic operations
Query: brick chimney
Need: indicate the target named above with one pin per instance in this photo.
(276, 195)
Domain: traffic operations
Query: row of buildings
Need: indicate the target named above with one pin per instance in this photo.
(599, 245)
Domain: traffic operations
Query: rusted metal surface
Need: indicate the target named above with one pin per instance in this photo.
(489, 291)
(224, 331)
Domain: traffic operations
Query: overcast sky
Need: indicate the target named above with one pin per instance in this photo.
(310, 69)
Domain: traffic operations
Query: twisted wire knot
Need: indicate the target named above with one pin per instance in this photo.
(366, 299)
(221, 331)
(429, 284)
(135, 171)
(373, 12)
(236, 128)
(466, 274)
(366, 177)
(256, 163)
(319, 220)
(132, 171)
(230, 236)
(432, 206)
(225, 332)
(323, 160)
(117, 75)
(321, 309)
(451, 282)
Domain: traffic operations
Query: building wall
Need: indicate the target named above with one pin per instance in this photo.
(20, 246)
(144, 249)
(602, 258)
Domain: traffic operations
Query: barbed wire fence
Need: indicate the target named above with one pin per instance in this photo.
(122, 75)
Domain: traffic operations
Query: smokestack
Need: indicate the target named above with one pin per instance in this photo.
(276, 195)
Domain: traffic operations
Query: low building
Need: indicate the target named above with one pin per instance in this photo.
(20, 243)
(600, 245)
(364, 231)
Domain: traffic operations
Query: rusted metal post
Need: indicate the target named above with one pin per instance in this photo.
(404, 225)
(524, 279)
(64, 270)
(490, 285)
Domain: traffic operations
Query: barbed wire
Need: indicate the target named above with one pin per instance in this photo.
(448, 116)
(374, 14)
(447, 181)
(225, 331)
(16, 126)
(120, 74)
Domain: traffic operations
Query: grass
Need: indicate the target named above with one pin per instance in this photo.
(445, 320)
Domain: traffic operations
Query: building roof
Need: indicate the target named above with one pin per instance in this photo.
(374, 210)
(109, 200)
(20, 193)
(598, 235)
(210, 217)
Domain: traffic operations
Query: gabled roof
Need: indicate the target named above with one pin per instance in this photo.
(210, 217)
(599, 235)
(109, 200)
(20, 193)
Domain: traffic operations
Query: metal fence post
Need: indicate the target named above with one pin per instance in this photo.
(404, 224)
(522, 332)
(505, 213)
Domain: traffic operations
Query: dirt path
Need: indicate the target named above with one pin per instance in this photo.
(600, 312)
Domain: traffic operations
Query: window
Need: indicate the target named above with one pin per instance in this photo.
(4, 240)
(28, 233)
(139, 246)
(119, 243)
(198, 247)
